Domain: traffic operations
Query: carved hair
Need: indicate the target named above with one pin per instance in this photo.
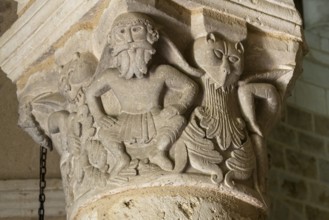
(132, 18)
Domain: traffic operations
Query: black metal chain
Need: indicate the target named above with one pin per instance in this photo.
(43, 170)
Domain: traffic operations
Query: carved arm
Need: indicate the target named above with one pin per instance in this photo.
(93, 96)
(179, 82)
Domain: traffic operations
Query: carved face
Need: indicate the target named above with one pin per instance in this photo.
(222, 60)
(75, 75)
(131, 33)
(131, 41)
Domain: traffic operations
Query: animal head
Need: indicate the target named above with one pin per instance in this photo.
(221, 59)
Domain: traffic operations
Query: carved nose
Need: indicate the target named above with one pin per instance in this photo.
(129, 36)
(67, 88)
(226, 66)
(227, 71)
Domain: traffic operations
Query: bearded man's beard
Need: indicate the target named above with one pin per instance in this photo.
(132, 58)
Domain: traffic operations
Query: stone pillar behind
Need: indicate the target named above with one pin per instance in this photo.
(159, 109)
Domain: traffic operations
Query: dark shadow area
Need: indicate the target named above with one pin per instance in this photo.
(299, 7)
(8, 14)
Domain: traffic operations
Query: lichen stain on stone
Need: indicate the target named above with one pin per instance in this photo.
(26, 7)
(129, 204)
(41, 66)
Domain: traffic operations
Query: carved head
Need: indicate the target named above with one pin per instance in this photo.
(131, 39)
(76, 75)
(222, 60)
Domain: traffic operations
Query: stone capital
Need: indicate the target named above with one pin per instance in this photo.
(159, 109)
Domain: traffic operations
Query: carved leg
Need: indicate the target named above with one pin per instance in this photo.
(117, 149)
(261, 161)
(168, 131)
(247, 93)
(122, 157)
(246, 98)
(159, 156)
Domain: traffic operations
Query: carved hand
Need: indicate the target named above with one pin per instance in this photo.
(74, 144)
(107, 121)
(169, 111)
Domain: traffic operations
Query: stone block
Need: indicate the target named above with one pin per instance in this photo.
(327, 94)
(319, 194)
(311, 97)
(292, 187)
(311, 144)
(324, 170)
(321, 124)
(297, 207)
(284, 135)
(295, 216)
(280, 210)
(316, 214)
(273, 182)
(299, 118)
(315, 73)
(276, 155)
(301, 164)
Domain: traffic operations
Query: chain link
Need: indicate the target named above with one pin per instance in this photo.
(42, 183)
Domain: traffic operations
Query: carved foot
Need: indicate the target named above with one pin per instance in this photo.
(160, 158)
(123, 161)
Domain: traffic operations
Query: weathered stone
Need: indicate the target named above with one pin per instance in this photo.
(324, 170)
(285, 135)
(321, 125)
(144, 131)
(293, 187)
(273, 181)
(311, 143)
(280, 211)
(295, 206)
(301, 163)
(276, 154)
(319, 194)
(168, 203)
(299, 118)
(295, 216)
(316, 213)
(7, 14)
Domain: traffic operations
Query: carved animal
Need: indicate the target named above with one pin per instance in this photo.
(228, 104)
(217, 128)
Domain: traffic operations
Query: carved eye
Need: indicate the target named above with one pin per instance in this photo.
(233, 59)
(219, 54)
(122, 31)
(136, 29)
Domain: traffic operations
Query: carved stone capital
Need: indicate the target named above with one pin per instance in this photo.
(159, 109)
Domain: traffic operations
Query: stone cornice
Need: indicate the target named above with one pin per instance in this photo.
(36, 31)
(45, 22)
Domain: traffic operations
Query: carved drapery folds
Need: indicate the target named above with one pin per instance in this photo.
(155, 99)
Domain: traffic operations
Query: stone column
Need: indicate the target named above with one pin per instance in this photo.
(159, 109)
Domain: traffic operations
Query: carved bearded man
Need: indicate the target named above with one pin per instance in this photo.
(145, 128)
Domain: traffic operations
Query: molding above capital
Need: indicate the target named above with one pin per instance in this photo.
(42, 28)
